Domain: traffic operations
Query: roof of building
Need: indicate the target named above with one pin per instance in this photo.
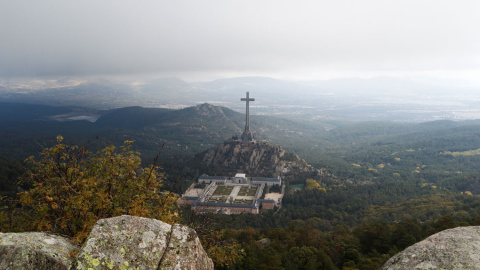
(264, 179)
(240, 175)
(204, 176)
(265, 201)
(190, 197)
(238, 205)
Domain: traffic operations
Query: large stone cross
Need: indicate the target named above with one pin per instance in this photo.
(247, 135)
(248, 99)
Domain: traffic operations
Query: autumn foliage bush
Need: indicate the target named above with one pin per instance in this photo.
(71, 188)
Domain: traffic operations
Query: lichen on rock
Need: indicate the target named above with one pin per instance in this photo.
(35, 250)
(453, 249)
(128, 242)
(123, 242)
(185, 251)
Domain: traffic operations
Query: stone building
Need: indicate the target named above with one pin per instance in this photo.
(207, 179)
(230, 195)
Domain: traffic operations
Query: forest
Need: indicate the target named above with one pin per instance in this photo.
(395, 183)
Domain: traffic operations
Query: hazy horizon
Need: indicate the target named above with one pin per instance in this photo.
(207, 40)
(377, 59)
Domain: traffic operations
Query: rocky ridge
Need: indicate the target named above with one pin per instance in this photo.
(453, 249)
(257, 159)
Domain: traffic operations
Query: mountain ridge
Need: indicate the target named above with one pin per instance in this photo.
(379, 98)
(189, 131)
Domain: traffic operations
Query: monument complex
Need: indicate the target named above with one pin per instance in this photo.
(234, 195)
(231, 195)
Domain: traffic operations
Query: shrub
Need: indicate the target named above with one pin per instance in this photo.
(71, 188)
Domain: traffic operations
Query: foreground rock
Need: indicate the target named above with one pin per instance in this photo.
(124, 242)
(128, 242)
(35, 250)
(456, 248)
(185, 251)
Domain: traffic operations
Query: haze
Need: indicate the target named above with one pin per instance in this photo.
(365, 60)
(205, 40)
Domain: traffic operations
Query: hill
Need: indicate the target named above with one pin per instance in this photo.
(188, 131)
(184, 132)
(256, 159)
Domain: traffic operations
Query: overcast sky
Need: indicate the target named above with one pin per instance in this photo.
(201, 40)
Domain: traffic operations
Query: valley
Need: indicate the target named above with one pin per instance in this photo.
(372, 175)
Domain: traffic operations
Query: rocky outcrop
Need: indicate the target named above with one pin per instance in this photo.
(123, 242)
(450, 249)
(257, 159)
(140, 243)
(185, 251)
(35, 250)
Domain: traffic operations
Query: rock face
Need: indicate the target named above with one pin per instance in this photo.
(450, 249)
(123, 242)
(35, 250)
(128, 242)
(256, 159)
(185, 251)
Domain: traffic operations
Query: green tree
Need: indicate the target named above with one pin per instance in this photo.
(307, 258)
(301, 258)
(71, 188)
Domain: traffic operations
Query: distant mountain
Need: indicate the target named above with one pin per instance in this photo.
(131, 117)
(414, 99)
(205, 122)
(26, 129)
(197, 127)
(392, 86)
(185, 131)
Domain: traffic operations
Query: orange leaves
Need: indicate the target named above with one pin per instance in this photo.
(73, 188)
(26, 198)
(225, 255)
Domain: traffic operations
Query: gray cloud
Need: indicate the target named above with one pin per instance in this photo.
(276, 38)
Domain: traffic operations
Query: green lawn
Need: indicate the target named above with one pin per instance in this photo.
(223, 190)
(247, 191)
(243, 201)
